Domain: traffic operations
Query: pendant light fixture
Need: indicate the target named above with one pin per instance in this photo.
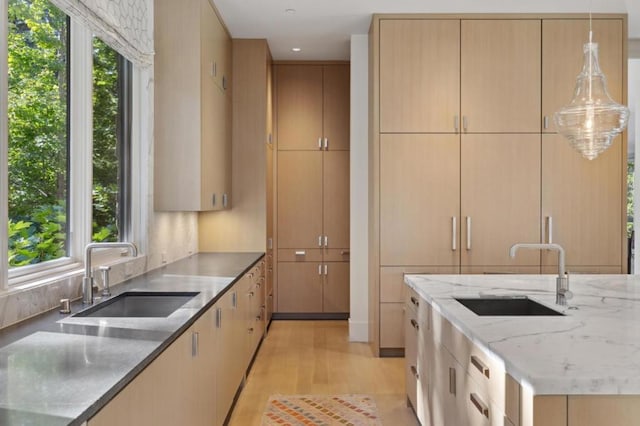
(592, 119)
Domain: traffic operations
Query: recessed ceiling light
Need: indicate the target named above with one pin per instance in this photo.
(296, 49)
(290, 11)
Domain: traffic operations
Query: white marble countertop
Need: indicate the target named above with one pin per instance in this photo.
(593, 349)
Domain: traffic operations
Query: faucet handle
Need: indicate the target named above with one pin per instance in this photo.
(104, 269)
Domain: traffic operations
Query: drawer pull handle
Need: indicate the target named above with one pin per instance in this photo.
(414, 371)
(301, 253)
(415, 325)
(345, 253)
(481, 406)
(481, 366)
(415, 301)
(452, 380)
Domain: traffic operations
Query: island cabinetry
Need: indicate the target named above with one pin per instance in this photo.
(417, 332)
(465, 383)
(192, 158)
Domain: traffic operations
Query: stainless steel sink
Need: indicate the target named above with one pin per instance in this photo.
(139, 304)
(507, 306)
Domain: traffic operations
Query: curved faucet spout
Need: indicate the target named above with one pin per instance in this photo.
(562, 282)
(87, 281)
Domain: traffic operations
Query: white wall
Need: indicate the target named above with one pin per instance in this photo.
(359, 319)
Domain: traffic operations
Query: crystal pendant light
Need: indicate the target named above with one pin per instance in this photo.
(592, 119)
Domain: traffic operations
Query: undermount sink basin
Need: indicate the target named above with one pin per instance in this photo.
(507, 306)
(139, 304)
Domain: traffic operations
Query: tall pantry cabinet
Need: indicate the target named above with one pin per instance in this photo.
(312, 189)
(464, 162)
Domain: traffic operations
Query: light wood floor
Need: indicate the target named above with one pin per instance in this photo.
(315, 357)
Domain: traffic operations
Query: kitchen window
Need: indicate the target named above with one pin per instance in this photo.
(63, 88)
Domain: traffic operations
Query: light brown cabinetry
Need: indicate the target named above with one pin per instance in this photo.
(312, 188)
(500, 62)
(192, 159)
(500, 198)
(419, 63)
(461, 167)
(312, 107)
(195, 379)
(177, 388)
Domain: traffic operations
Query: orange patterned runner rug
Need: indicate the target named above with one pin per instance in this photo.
(320, 410)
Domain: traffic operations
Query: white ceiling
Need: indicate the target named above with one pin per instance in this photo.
(323, 28)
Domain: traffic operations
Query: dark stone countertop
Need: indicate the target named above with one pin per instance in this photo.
(60, 370)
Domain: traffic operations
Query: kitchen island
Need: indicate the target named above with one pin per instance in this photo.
(579, 368)
(59, 369)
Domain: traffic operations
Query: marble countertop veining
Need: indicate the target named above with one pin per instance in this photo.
(593, 349)
(60, 370)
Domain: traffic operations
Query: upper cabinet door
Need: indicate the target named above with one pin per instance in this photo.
(562, 59)
(500, 76)
(299, 106)
(419, 76)
(336, 106)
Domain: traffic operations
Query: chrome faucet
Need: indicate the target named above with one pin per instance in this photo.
(87, 280)
(562, 282)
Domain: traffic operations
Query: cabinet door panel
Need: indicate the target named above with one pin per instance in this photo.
(299, 106)
(336, 288)
(335, 197)
(501, 196)
(299, 287)
(562, 59)
(500, 75)
(446, 382)
(299, 199)
(584, 200)
(419, 75)
(419, 196)
(336, 106)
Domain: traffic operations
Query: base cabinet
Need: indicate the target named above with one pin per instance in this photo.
(194, 380)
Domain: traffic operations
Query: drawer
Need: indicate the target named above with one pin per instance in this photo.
(300, 255)
(336, 255)
(391, 325)
(420, 309)
(479, 409)
(483, 367)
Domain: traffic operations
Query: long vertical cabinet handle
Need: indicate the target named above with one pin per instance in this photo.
(545, 122)
(218, 318)
(319, 269)
(456, 123)
(234, 300)
(194, 344)
(454, 233)
(468, 232)
(549, 229)
(326, 144)
(320, 143)
(319, 240)
(465, 123)
(326, 241)
(326, 269)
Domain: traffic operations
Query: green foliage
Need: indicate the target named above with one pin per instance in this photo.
(38, 152)
(39, 239)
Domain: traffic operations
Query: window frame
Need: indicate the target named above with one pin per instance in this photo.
(80, 156)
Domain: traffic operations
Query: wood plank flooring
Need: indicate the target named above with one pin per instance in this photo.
(316, 357)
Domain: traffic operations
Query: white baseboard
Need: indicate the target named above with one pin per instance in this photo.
(358, 331)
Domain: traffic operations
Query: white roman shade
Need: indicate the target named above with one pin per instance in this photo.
(125, 25)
